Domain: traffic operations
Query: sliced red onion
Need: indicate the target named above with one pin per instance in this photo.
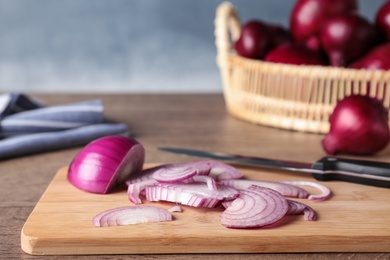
(295, 208)
(255, 207)
(174, 173)
(211, 183)
(131, 215)
(134, 190)
(325, 191)
(223, 171)
(175, 208)
(227, 203)
(106, 163)
(143, 175)
(162, 192)
(283, 188)
(191, 194)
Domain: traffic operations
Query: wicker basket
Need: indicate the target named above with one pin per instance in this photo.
(285, 96)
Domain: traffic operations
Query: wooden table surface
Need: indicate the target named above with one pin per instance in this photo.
(181, 120)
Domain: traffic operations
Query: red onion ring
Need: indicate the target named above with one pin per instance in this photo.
(255, 207)
(325, 191)
(285, 189)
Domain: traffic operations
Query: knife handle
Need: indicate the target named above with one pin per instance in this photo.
(357, 171)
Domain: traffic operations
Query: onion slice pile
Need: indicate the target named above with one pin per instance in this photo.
(131, 215)
(208, 184)
(255, 207)
(202, 174)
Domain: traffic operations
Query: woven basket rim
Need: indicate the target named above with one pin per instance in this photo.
(314, 70)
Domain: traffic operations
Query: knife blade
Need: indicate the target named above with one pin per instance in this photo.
(328, 168)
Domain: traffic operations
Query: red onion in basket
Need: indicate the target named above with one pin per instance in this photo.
(254, 41)
(106, 163)
(382, 21)
(294, 54)
(345, 38)
(358, 125)
(376, 59)
(279, 34)
(308, 16)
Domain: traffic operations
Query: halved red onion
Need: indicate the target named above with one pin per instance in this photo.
(283, 188)
(255, 207)
(131, 215)
(325, 191)
(295, 208)
(106, 163)
(191, 194)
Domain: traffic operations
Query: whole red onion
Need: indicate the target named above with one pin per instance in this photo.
(294, 54)
(382, 21)
(346, 38)
(308, 16)
(358, 125)
(279, 34)
(255, 40)
(376, 59)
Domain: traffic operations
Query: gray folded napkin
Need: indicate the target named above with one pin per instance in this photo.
(28, 126)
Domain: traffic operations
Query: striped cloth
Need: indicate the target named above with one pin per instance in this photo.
(28, 126)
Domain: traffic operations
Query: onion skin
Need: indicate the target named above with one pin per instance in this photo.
(308, 16)
(346, 38)
(254, 41)
(376, 59)
(294, 54)
(106, 163)
(382, 21)
(359, 126)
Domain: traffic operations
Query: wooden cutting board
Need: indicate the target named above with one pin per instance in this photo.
(355, 219)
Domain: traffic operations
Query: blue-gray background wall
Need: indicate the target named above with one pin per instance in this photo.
(120, 45)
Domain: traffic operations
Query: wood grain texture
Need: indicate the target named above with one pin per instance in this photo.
(196, 121)
(348, 222)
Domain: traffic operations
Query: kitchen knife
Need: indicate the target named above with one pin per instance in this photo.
(327, 168)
